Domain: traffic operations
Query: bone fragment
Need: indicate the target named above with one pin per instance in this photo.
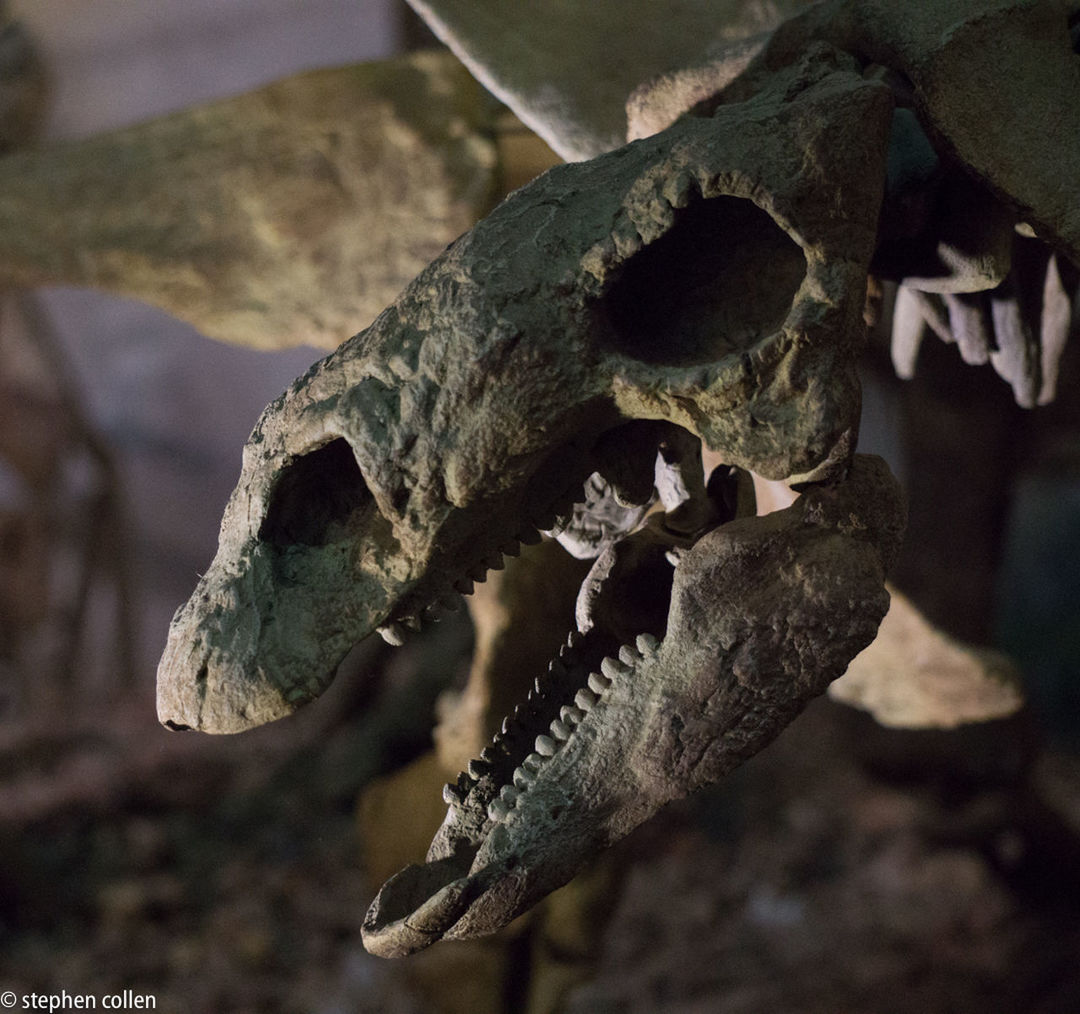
(290, 215)
(1056, 323)
(915, 676)
(907, 332)
(660, 101)
(566, 68)
(970, 328)
(1016, 358)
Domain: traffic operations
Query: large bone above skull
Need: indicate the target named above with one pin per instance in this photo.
(712, 277)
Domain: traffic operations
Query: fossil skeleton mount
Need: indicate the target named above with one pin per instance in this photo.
(704, 285)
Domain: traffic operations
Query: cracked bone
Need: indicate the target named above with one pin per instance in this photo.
(712, 276)
(765, 612)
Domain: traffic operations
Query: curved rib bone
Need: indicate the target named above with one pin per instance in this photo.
(765, 612)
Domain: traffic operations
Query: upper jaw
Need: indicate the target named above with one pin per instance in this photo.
(764, 613)
(473, 405)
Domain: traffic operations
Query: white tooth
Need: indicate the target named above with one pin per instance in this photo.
(584, 699)
(464, 585)
(628, 656)
(597, 683)
(523, 778)
(559, 729)
(498, 810)
(571, 715)
(509, 795)
(556, 667)
(393, 633)
(450, 794)
(477, 769)
(546, 746)
(533, 762)
(647, 645)
(612, 668)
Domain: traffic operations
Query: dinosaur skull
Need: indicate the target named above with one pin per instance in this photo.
(712, 277)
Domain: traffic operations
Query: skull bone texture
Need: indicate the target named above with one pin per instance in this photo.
(712, 276)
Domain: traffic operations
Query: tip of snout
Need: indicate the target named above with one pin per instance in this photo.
(219, 689)
(209, 697)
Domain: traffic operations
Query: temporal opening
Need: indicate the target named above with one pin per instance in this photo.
(719, 280)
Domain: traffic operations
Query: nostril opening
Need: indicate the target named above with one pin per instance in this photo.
(317, 499)
(723, 277)
(176, 726)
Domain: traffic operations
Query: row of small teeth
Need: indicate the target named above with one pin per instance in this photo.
(396, 632)
(561, 728)
(559, 670)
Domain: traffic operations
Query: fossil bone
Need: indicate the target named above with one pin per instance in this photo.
(712, 277)
(764, 613)
(542, 61)
(984, 140)
(914, 676)
(709, 277)
(289, 215)
(994, 84)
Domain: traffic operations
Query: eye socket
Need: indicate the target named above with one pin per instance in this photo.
(317, 499)
(719, 280)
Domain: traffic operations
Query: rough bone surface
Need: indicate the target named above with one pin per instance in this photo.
(981, 163)
(710, 279)
(765, 612)
(712, 276)
(543, 60)
(289, 215)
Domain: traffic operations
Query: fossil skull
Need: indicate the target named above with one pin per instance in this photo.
(711, 277)
(707, 283)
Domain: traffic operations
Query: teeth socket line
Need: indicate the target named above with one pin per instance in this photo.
(396, 632)
(570, 716)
